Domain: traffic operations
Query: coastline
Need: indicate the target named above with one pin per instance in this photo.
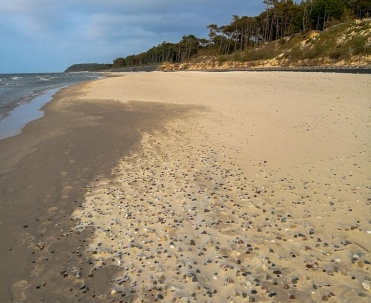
(18, 90)
(44, 174)
(22, 114)
(253, 167)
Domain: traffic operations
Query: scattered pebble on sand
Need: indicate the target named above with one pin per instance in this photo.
(184, 223)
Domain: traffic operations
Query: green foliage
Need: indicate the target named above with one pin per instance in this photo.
(358, 45)
(338, 54)
(317, 51)
(339, 42)
(360, 8)
(119, 62)
(222, 59)
(88, 67)
(326, 10)
(296, 53)
(264, 53)
(244, 38)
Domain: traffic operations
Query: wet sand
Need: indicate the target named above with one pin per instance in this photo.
(192, 187)
(44, 175)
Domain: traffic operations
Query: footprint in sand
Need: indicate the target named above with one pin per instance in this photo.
(24, 238)
(18, 291)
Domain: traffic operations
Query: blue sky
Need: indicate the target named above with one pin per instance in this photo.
(50, 35)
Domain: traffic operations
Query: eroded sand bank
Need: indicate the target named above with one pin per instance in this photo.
(260, 194)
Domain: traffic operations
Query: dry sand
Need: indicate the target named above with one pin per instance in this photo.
(256, 189)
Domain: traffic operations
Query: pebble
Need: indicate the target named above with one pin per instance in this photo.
(182, 217)
(366, 285)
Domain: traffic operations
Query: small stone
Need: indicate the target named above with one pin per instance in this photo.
(309, 266)
(366, 286)
(324, 298)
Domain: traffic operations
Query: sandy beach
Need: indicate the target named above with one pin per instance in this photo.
(191, 187)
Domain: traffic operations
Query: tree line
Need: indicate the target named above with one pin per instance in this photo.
(277, 20)
(88, 67)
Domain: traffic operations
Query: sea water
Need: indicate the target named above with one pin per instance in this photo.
(22, 96)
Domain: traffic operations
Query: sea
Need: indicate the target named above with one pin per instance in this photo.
(22, 96)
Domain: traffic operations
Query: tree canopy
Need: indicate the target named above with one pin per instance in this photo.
(280, 18)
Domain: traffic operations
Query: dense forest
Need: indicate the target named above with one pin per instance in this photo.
(279, 19)
(88, 67)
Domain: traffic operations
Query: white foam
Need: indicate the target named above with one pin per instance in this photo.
(44, 79)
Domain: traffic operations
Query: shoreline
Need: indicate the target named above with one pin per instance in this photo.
(44, 174)
(14, 121)
(191, 186)
(22, 89)
(152, 68)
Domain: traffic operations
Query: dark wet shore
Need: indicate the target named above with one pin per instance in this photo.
(44, 173)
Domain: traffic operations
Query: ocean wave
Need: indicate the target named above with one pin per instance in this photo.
(45, 78)
(22, 88)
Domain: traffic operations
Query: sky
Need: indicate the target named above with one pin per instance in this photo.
(51, 35)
